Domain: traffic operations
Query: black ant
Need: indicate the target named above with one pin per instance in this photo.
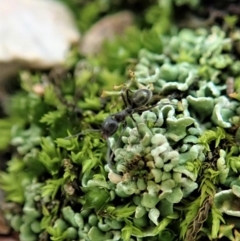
(135, 104)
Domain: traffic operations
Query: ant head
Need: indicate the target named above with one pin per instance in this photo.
(141, 97)
(109, 127)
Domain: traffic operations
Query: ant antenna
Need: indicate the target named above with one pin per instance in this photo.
(57, 75)
(83, 133)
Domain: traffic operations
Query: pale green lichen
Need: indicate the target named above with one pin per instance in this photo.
(159, 146)
(155, 160)
(226, 201)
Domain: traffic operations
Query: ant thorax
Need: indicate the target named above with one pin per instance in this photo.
(121, 116)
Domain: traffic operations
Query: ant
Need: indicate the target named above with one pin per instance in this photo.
(133, 104)
(136, 104)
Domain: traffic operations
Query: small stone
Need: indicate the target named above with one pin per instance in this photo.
(34, 34)
(105, 29)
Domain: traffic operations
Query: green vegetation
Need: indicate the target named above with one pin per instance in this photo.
(174, 172)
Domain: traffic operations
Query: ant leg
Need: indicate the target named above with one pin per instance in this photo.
(83, 133)
(139, 111)
(55, 77)
(135, 123)
(128, 97)
(110, 157)
(125, 100)
(142, 109)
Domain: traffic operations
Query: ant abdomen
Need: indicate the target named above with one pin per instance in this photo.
(141, 97)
